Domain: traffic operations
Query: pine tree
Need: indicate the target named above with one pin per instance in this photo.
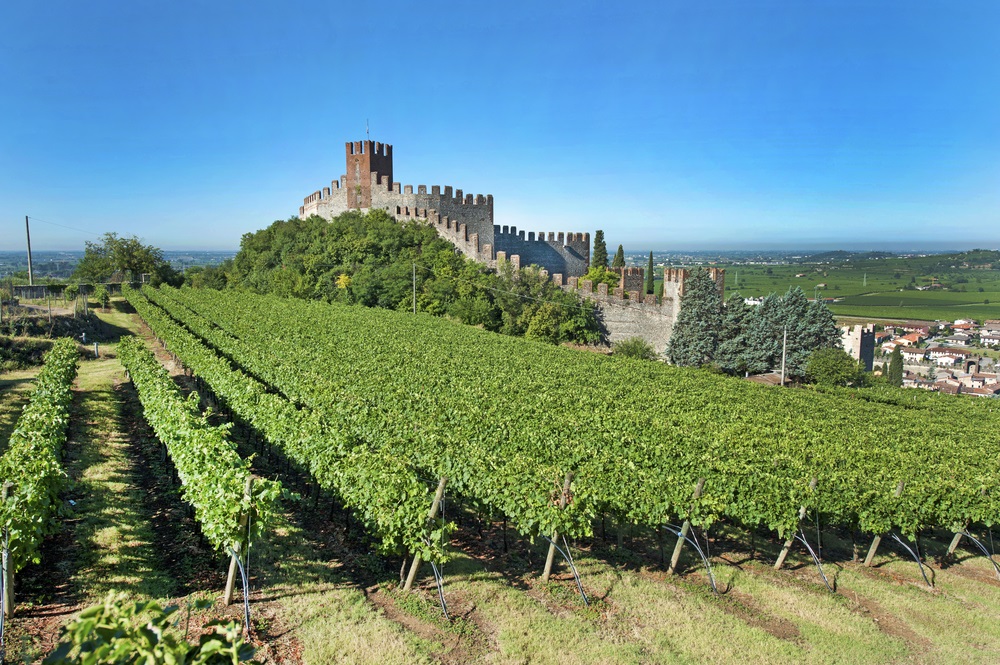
(763, 347)
(733, 335)
(794, 319)
(650, 281)
(600, 258)
(695, 336)
(619, 260)
(896, 368)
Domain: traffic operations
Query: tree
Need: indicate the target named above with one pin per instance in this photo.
(733, 335)
(834, 367)
(128, 256)
(600, 257)
(650, 281)
(695, 337)
(634, 347)
(619, 260)
(764, 333)
(896, 368)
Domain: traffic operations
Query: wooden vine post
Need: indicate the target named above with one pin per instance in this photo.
(685, 528)
(8, 567)
(550, 558)
(244, 518)
(431, 515)
(788, 543)
(878, 538)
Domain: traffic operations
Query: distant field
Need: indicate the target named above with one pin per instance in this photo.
(877, 289)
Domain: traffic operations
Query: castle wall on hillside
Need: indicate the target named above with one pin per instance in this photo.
(464, 219)
(563, 253)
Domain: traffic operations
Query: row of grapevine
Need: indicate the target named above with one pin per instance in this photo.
(518, 483)
(212, 473)
(637, 435)
(32, 461)
(383, 490)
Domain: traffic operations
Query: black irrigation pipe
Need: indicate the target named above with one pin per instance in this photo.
(915, 556)
(246, 592)
(986, 553)
(568, 556)
(671, 528)
(3, 592)
(801, 535)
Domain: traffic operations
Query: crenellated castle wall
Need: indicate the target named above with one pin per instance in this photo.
(464, 219)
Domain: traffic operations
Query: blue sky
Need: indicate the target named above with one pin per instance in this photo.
(673, 125)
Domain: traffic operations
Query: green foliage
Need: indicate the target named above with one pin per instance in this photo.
(731, 356)
(602, 275)
(32, 458)
(695, 337)
(385, 493)
(834, 367)
(895, 373)
(114, 254)
(213, 475)
(389, 399)
(71, 291)
(634, 347)
(118, 632)
(369, 259)
(600, 254)
(208, 277)
(18, 353)
(102, 296)
(619, 260)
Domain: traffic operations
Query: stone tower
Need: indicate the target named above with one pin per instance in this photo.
(363, 159)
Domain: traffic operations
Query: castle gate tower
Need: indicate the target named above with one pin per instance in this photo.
(363, 159)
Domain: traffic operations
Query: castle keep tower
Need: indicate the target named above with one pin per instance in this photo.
(463, 219)
(365, 158)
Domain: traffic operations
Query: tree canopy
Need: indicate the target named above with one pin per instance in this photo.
(370, 259)
(123, 258)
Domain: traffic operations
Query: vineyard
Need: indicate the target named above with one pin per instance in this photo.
(629, 439)
(426, 433)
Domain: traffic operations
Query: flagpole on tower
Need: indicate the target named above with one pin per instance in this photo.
(368, 134)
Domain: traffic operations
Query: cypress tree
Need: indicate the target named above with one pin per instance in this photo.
(619, 260)
(600, 257)
(896, 368)
(695, 337)
(649, 275)
(763, 347)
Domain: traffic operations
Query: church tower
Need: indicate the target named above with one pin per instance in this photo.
(363, 159)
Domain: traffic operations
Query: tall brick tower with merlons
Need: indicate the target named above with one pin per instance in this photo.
(363, 159)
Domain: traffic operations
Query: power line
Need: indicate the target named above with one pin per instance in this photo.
(71, 228)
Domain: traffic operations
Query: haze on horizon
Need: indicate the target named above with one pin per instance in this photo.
(672, 126)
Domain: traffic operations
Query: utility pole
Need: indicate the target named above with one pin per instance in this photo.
(784, 347)
(31, 275)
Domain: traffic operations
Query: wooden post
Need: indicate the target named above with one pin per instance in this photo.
(685, 528)
(244, 517)
(954, 543)
(550, 558)
(8, 567)
(788, 543)
(878, 539)
(431, 514)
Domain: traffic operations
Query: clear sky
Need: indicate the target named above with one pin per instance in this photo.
(670, 125)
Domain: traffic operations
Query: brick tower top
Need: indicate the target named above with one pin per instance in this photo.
(363, 159)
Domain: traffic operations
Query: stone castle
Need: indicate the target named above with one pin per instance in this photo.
(465, 220)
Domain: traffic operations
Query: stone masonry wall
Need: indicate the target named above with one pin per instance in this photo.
(567, 254)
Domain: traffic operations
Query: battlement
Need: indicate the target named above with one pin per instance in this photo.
(464, 219)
